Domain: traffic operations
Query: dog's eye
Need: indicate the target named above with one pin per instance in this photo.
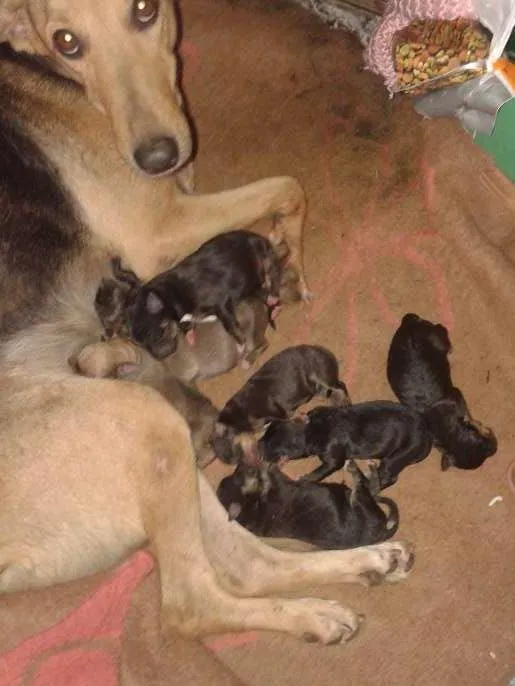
(144, 12)
(67, 43)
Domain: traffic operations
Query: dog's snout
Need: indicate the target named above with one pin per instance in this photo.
(157, 155)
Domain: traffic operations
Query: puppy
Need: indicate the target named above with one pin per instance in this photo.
(419, 373)
(207, 350)
(121, 359)
(212, 281)
(330, 516)
(284, 383)
(383, 430)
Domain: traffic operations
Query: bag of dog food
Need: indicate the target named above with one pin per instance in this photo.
(434, 53)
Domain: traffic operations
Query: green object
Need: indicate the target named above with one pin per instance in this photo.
(501, 144)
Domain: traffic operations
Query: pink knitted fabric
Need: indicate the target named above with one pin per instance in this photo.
(397, 15)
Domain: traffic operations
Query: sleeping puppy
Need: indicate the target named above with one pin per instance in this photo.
(284, 383)
(383, 430)
(419, 373)
(330, 516)
(212, 281)
(207, 350)
(120, 359)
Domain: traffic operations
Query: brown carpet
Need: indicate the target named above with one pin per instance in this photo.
(405, 215)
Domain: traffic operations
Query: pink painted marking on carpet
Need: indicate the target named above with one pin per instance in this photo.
(352, 341)
(382, 304)
(227, 641)
(439, 281)
(100, 615)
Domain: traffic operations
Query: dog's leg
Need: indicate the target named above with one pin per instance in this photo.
(249, 567)
(201, 217)
(193, 601)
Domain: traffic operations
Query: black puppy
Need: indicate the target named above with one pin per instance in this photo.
(284, 383)
(380, 430)
(212, 281)
(330, 516)
(419, 373)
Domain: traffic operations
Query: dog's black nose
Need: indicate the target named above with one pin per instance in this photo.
(157, 155)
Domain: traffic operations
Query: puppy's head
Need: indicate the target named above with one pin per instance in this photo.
(233, 447)
(153, 324)
(110, 305)
(425, 332)
(283, 440)
(464, 443)
(243, 492)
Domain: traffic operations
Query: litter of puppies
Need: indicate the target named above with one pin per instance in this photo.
(210, 313)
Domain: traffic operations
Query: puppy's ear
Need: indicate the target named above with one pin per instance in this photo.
(153, 303)
(439, 338)
(17, 28)
(234, 511)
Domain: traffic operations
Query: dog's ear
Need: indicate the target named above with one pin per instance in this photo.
(153, 303)
(17, 28)
(234, 511)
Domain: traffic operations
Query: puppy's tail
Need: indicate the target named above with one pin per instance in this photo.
(392, 516)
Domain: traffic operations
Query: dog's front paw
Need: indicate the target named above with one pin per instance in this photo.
(324, 621)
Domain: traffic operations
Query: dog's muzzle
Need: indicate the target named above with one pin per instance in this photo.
(157, 155)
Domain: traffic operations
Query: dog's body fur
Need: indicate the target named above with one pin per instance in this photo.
(115, 458)
(119, 359)
(419, 373)
(330, 516)
(383, 430)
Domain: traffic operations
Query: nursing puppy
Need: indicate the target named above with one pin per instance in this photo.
(330, 516)
(207, 350)
(212, 281)
(419, 373)
(288, 380)
(121, 359)
(383, 430)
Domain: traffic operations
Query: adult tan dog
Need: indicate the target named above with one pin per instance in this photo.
(93, 148)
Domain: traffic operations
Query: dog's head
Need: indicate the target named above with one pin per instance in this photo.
(153, 324)
(464, 443)
(123, 52)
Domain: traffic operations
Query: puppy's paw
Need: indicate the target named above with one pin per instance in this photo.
(324, 621)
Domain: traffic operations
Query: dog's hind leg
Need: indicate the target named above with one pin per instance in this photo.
(201, 217)
(193, 600)
(249, 567)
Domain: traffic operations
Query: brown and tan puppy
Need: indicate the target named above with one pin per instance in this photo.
(94, 163)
